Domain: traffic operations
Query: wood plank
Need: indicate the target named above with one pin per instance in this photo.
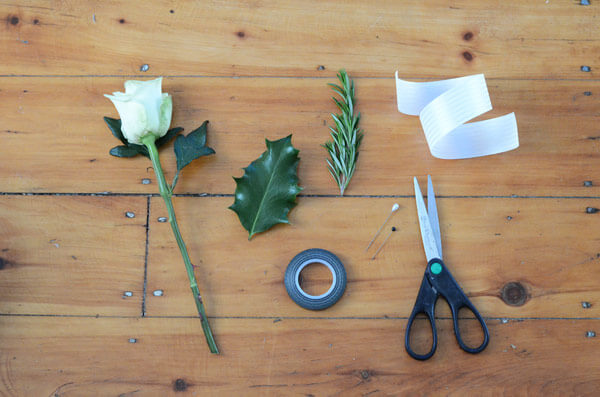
(558, 133)
(511, 39)
(256, 70)
(548, 246)
(71, 255)
(85, 356)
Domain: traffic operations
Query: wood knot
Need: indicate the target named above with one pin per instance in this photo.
(2, 263)
(180, 385)
(468, 56)
(467, 36)
(514, 294)
(591, 210)
(241, 34)
(14, 20)
(365, 374)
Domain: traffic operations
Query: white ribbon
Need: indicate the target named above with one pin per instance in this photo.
(445, 106)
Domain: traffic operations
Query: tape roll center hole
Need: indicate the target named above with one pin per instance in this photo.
(315, 279)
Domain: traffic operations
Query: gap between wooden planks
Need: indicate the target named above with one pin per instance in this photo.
(118, 356)
(557, 122)
(512, 39)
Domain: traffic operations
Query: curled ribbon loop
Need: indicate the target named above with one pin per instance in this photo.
(445, 106)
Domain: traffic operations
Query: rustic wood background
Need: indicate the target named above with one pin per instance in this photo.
(520, 229)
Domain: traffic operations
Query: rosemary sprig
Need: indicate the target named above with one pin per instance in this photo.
(346, 136)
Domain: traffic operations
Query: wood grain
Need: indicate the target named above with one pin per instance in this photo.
(71, 255)
(62, 146)
(519, 229)
(511, 39)
(87, 356)
(488, 243)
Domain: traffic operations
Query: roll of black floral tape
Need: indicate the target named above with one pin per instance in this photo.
(301, 297)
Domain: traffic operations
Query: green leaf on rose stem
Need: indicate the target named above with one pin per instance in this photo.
(172, 133)
(115, 128)
(139, 149)
(133, 149)
(124, 151)
(267, 191)
(189, 148)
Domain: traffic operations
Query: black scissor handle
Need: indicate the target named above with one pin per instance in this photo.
(486, 334)
(441, 279)
(425, 304)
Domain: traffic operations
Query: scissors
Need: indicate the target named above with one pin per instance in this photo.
(438, 280)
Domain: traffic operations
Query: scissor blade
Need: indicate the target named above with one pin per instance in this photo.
(427, 235)
(433, 215)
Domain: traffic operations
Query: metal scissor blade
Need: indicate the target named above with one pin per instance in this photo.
(433, 215)
(429, 243)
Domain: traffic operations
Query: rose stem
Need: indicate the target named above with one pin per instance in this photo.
(166, 194)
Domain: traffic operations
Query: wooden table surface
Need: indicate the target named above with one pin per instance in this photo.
(79, 311)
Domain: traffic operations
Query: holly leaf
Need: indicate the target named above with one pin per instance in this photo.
(189, 148)
(267, 191)
(131, 149)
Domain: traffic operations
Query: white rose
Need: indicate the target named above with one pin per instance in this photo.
(144, 109)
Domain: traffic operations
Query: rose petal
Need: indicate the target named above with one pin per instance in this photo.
(133, 118)
(166, 111)
(147, 93)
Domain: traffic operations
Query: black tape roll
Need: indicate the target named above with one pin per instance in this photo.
(292, 279)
